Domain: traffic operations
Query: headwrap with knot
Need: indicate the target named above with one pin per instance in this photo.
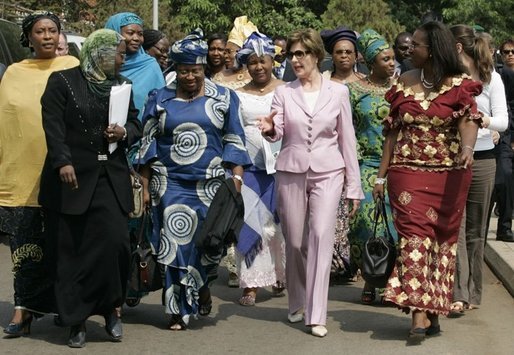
(257, 43)
(152, 37)
(241, 31)
(29, 22)
(192, 49)
(331, 37)
(370, 43)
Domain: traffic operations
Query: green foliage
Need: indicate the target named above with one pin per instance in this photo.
(271, 17)
(361, 14)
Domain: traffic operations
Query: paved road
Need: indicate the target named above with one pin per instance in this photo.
(263, 329)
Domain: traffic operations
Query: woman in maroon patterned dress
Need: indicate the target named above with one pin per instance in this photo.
(428, 152)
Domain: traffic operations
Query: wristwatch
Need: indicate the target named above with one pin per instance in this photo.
(380, 181)
(238, 178)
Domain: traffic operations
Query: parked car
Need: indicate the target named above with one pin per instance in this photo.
(74, 43)
(11, 50)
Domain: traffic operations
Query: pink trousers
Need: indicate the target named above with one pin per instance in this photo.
(307, 206)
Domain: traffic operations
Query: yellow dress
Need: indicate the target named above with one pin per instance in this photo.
(22, 139)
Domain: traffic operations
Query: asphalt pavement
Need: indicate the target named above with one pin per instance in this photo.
(263, 329)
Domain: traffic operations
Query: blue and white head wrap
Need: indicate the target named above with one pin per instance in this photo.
(256, 43)
(190, 50)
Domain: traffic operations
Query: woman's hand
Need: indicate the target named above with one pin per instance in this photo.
(146, 197)
(67, 175)
(266, 125)
(378, 191)
(466, 156)
(355, 204)
(496, 137)
(114, 133)
(237, 184)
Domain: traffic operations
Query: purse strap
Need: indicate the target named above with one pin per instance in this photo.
(381, 213)
(142, 229)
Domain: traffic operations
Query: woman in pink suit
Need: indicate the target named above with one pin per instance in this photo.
(312, 116)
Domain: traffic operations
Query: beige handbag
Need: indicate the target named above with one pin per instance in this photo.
(137, 190)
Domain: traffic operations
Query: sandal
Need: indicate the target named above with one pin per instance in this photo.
(367, 297)
(176, 323)
(277, 290)
(456, 309)
(205, 302)
(247, 300)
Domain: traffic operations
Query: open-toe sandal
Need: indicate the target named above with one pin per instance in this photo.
(176, 323)
(247, 300)
(456, 309)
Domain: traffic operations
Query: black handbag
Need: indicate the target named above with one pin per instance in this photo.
(146, 272)
(379, 254)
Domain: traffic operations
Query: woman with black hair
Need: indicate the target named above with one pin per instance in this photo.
(427, 157)
(22, 153)
(215, 56)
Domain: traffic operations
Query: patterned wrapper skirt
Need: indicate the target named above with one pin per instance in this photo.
(427, 211)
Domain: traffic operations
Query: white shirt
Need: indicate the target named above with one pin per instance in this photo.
(492, 103)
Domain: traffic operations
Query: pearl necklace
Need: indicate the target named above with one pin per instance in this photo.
(426, 84)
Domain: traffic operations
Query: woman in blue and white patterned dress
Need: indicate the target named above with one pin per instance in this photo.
(192, 134)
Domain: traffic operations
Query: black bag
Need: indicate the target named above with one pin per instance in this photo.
(145, 274)
(379, 254)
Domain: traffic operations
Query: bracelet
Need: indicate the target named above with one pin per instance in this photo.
(469, 147)
(238, 178)
(124, 134)
(380, 181)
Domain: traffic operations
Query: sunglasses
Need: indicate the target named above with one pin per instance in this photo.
(508, 51)
(298, 54)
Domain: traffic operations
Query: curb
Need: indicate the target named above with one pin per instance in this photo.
(500, 258)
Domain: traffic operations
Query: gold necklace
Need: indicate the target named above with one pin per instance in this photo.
(263, 88)
(381, 85)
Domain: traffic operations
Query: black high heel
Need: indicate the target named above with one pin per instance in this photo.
(16, 330)
(77, 337)
(113, 326)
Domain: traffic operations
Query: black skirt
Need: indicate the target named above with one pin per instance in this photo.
(93, 256)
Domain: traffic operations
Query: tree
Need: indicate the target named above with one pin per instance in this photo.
(361, 14)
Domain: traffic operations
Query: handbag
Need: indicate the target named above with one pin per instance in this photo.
(379, 254)
(145, 273)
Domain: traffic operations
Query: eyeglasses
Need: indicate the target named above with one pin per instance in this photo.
(346, 52)
(162, 50)
(298, 54)
(508, 51)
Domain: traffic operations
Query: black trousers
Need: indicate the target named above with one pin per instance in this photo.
(503, 193)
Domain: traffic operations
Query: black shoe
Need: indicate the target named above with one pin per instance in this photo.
(506, 237)
(113, 326)
(77, 336)
(15, 330)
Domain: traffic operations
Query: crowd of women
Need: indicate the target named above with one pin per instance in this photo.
(309, 158)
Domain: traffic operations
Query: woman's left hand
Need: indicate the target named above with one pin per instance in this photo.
(355, 204)
(238, 185)
(466, 158)
(114, 133)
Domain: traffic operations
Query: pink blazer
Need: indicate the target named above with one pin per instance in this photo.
(323, 140)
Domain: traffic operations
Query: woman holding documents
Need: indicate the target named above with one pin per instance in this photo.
(85, 185)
